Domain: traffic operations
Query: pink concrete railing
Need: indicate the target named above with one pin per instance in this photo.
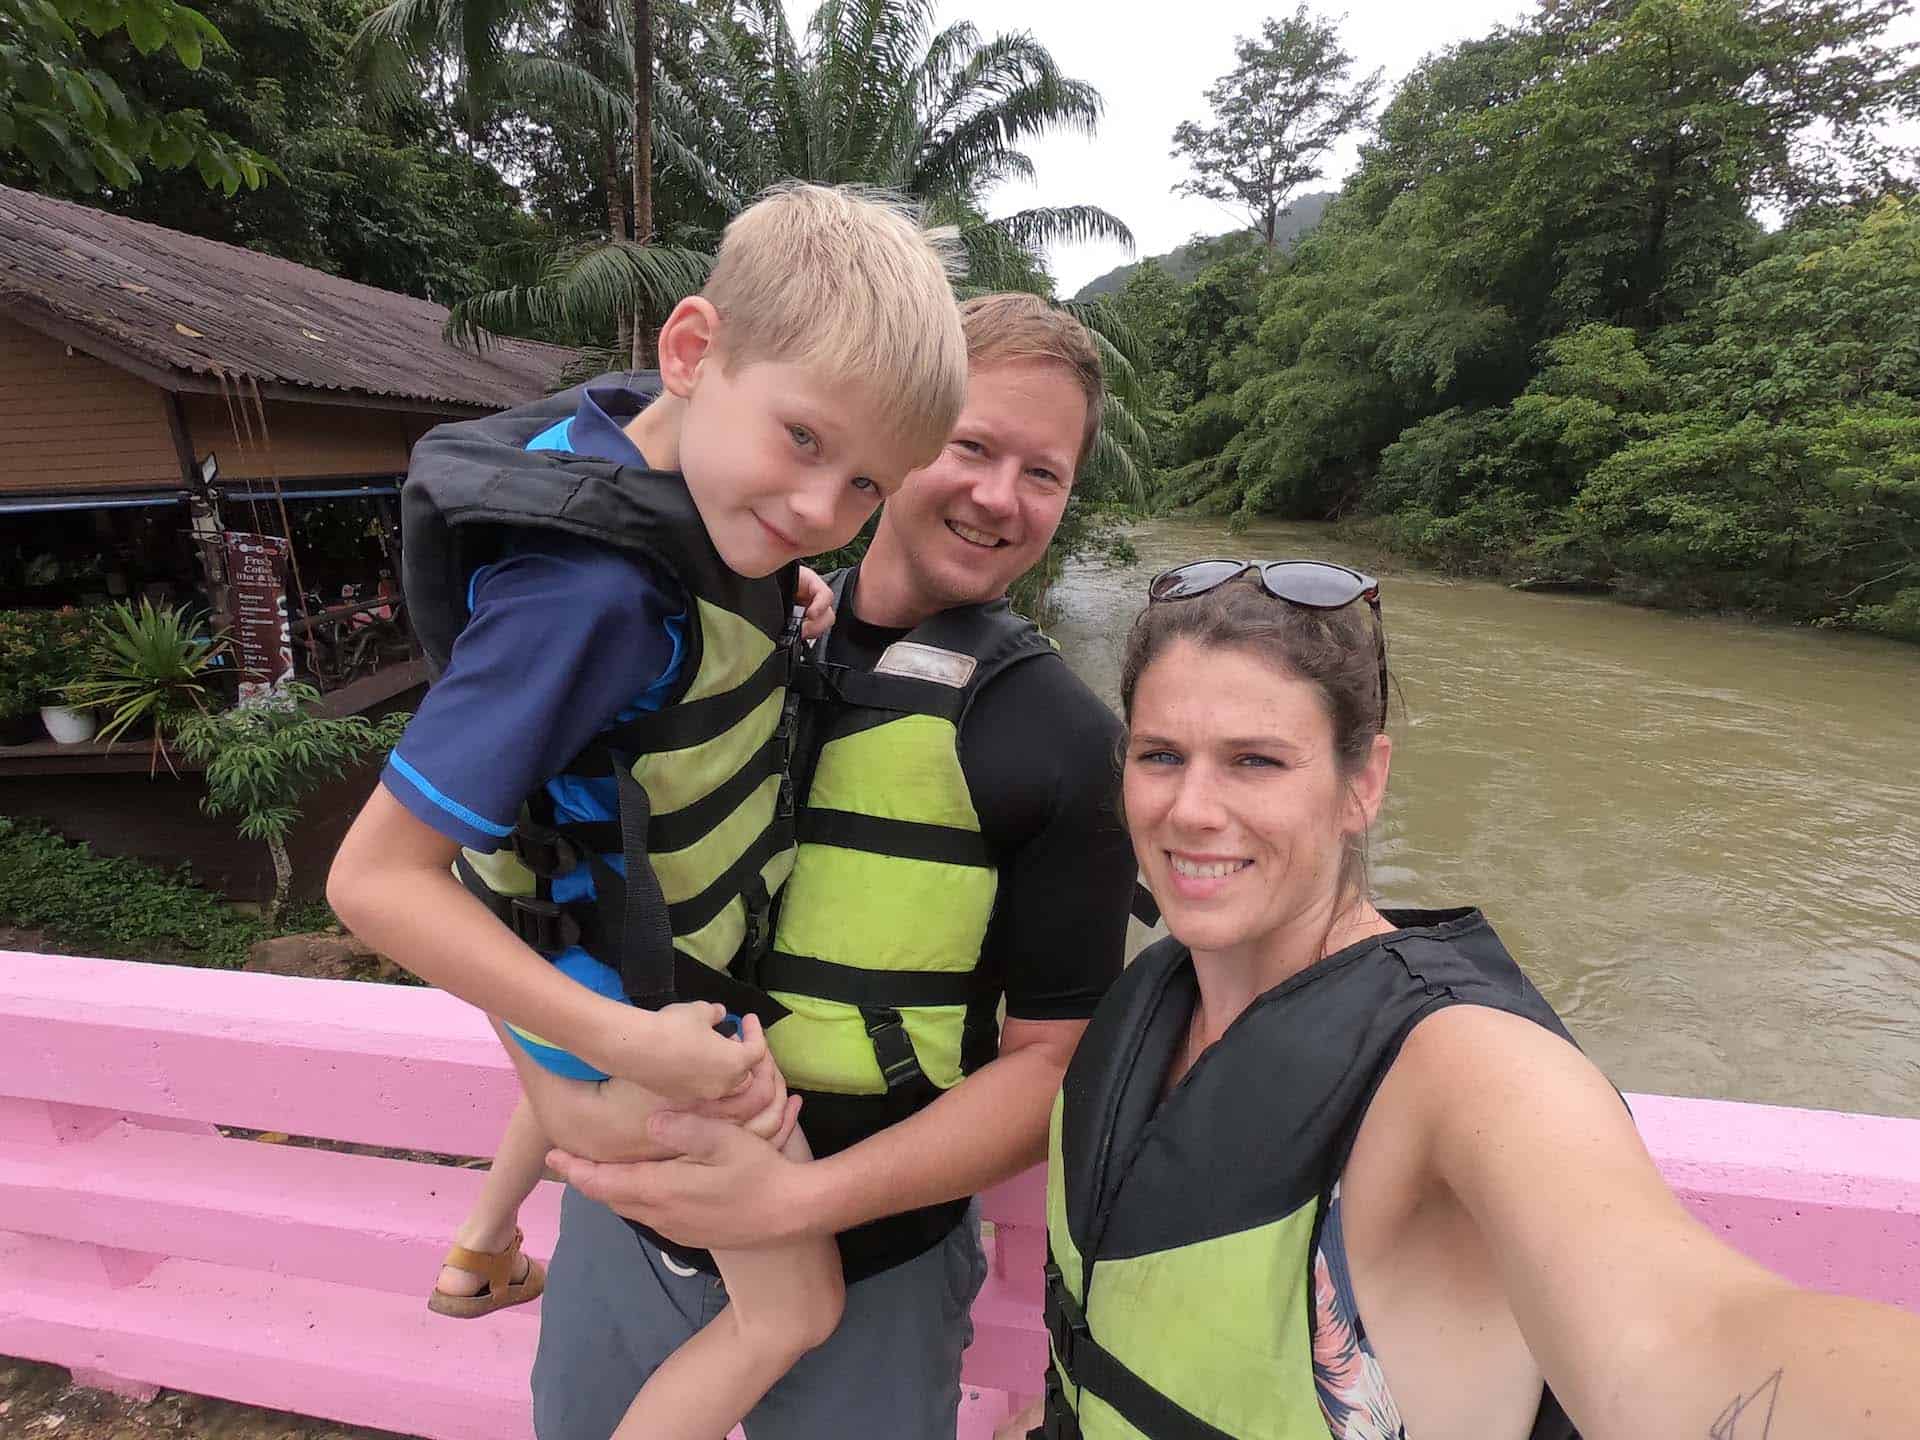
(142, 1247)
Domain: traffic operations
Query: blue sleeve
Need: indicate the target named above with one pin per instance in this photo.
(563, 637)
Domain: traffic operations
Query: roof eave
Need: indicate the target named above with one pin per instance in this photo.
(36, 315)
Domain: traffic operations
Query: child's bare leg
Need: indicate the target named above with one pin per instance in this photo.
(489, 1226)
(782, 1301)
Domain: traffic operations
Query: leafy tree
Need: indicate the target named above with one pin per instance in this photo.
(1787, 478)
(1276, 115)
(262, 758)
(1596, 166)
(387, 198)
(69, 122)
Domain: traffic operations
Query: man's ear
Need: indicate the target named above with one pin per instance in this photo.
(687, 341)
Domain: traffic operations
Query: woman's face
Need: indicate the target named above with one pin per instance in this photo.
(1238, 809)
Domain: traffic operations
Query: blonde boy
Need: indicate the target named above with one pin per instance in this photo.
(603, 583)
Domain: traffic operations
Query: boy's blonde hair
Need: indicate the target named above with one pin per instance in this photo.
(1014, 326)
(851, 283)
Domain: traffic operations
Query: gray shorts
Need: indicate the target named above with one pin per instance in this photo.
(614, 1309)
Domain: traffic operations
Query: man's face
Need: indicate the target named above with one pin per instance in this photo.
(981, 515)
(780, 465)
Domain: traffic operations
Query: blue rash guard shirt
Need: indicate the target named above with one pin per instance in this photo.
(564, 638)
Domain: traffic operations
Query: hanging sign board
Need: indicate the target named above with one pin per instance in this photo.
(262, 644)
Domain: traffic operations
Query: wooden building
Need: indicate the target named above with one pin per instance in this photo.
(156, 389)
(128, 352)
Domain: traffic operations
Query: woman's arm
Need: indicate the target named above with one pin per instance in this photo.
(1644, 1323)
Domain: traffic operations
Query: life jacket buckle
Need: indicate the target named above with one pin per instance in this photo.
(544, 852)
(542, 924)
(1066, 1322)
(892, 1046)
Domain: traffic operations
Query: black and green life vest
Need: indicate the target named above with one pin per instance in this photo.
(705, 822)
(1182, 1231)
(879, 930)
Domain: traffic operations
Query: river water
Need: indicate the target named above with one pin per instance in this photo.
(1700, 837)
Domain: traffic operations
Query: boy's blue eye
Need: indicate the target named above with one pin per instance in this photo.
(801, 435)
(861, 482)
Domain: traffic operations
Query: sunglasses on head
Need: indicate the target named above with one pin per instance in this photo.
(1310, 584)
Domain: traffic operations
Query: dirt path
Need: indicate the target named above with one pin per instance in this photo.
(39, 1402)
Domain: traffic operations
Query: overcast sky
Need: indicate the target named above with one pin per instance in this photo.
(1152, 73)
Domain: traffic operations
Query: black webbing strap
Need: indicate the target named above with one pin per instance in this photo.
(1145, 908)
(1091, 1367)
(644, 946)
(678, 727)
(689, 915)
(906, 839)
(868, 989)
(822, 680)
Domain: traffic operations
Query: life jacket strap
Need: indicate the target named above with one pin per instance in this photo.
(866, 989)
(1089, 1366)
(899, 839)
(645, 942)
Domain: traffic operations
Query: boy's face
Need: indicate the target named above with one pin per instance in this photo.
(780, 464)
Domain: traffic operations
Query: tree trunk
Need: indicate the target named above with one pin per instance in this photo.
(282, 881)
(642, 163)
(590, 20)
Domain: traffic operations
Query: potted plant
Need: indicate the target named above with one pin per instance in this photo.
(64, 640)
(150, 666)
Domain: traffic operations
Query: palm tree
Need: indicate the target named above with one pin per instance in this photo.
(588, 60)
(874, 96)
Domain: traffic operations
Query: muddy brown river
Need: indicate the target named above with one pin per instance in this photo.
(1700, 836)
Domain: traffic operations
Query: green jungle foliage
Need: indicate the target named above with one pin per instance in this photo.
(68, 120)
(120, 908)
(1541, 333)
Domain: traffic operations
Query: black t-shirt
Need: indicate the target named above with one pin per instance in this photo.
(1041, 754)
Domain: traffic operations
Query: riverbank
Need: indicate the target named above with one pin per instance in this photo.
(1526, 563)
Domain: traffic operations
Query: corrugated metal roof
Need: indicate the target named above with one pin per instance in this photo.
(183, 303)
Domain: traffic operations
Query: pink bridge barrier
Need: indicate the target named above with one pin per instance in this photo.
(142, 1247)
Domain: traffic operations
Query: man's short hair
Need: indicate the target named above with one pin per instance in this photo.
(1013, 326)
(851, 283)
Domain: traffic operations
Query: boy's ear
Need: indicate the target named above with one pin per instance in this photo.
(686, 340)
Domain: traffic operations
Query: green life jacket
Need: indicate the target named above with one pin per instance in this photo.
(880, 928)
(704, 821)
(1182, 1230)
(878, 932)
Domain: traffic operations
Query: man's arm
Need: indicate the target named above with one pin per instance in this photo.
(1057, 938)
(731, 1190)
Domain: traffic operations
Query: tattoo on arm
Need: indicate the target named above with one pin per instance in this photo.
(1749, 1417)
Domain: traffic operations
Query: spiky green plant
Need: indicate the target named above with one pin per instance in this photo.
(150, 663)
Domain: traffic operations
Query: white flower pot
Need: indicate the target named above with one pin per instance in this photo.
(67, 725)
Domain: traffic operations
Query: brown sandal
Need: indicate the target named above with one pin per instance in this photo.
(496, 1267)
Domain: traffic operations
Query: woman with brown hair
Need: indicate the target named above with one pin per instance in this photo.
(1319, 1168)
